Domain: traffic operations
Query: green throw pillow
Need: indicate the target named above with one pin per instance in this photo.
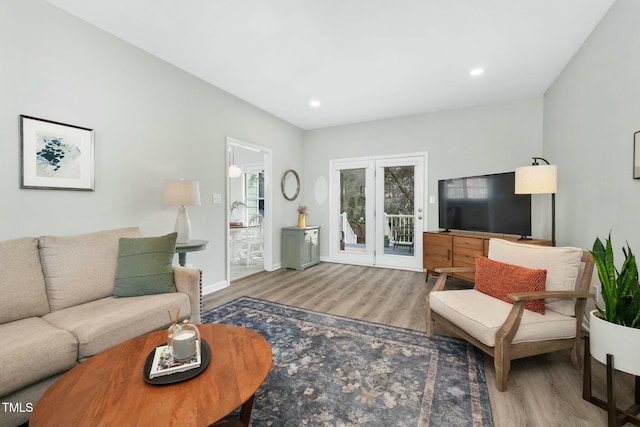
(145, 266)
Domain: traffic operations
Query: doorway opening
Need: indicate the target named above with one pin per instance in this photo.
(249, 208)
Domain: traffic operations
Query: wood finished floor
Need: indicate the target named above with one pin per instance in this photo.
(542, 391)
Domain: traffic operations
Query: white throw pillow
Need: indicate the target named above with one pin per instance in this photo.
(562, 265)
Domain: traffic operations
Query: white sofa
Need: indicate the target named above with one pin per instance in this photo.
(57, 309)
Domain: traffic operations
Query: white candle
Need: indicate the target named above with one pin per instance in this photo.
(184, 345)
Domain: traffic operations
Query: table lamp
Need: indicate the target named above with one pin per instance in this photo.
(182, 193)
(539, 179)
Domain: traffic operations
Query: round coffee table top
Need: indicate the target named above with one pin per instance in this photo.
(109, 389)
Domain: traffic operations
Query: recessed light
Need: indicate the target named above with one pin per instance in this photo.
(476, 71)
(314, 103)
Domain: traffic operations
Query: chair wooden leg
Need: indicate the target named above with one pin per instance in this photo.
(577, 358)
(502, 365)
(428, 317)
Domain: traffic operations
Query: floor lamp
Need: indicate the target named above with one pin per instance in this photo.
(182, 193)
(540, 179)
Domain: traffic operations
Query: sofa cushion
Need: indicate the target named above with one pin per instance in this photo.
(82, 268)
(481, 316)
(562, 265)
(21, 281)
(33, 350)
(101, 324)
(498, 280)
(145, 266)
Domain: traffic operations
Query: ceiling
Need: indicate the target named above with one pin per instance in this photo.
(361, 59)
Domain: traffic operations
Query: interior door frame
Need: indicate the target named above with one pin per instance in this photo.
(371, 232)
(268, 203)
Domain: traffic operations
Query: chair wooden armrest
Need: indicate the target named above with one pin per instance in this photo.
(444, 273)
(510, 326)
(445, 270)
(526, 296)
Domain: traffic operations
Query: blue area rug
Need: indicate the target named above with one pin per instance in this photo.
(335, 371)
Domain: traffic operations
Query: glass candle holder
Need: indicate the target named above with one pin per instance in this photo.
(174, 328)
(185, 342)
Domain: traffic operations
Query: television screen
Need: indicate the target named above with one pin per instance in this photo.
(484, 203)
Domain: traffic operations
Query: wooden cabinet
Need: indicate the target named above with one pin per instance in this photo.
(300, 247)
(436, 251)
(459, 249)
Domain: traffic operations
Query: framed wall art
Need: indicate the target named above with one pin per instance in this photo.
(56, 156)
(636, 155)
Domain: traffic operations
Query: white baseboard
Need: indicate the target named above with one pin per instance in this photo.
(207, 289)
(275, 267)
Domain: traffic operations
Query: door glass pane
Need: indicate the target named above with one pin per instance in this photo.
(254, 191)
(353, 210)
(399, 210)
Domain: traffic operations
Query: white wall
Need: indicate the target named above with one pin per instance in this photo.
(489, 139)
(590, 115)
(152, 122)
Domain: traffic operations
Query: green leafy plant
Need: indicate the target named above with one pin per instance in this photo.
(620, 289)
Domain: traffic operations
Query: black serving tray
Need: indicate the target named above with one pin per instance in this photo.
(205, 358)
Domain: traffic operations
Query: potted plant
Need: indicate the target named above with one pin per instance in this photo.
(615, 329)
(386, 239)
(302, 216)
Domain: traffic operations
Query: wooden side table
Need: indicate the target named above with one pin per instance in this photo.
(109, 389)
(192, 246)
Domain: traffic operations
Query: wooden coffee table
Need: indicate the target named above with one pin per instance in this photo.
(109, 389)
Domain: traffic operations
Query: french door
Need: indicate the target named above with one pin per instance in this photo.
(378, 211)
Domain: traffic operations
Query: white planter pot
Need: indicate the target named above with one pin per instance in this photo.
(621, 341)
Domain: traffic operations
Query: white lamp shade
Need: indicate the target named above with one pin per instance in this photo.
(538, 179)
(235, 171)
(179, 192)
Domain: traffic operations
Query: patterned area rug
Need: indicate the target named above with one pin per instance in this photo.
(335, 371)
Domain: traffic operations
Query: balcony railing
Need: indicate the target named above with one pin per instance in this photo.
(400, 229)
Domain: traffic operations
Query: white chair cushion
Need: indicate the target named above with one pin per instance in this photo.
(481, 316)
(562, 265)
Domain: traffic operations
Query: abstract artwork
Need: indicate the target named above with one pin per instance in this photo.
(56, 155)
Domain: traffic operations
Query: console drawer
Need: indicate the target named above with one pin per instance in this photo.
(468, 242)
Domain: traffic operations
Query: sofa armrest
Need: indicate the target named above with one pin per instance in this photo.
(189, 281)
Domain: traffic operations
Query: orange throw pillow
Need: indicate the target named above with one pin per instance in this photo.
(499, 279)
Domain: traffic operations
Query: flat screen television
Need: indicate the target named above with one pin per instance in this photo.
(484, 203)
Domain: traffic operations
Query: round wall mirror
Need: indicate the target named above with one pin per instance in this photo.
(290, 184)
